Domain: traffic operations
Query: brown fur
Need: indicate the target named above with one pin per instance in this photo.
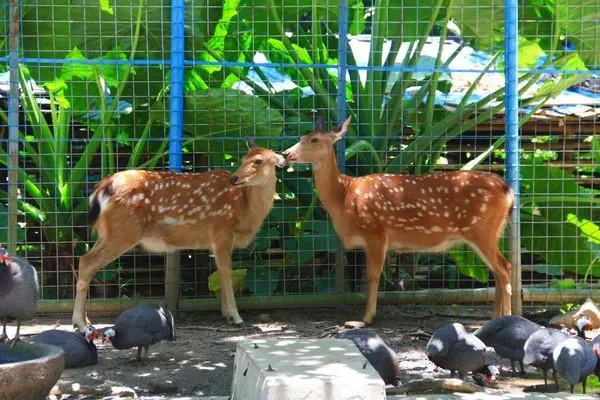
(166, 211)
(428, 213)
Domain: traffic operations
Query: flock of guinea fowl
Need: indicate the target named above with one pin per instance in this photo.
(566, 351)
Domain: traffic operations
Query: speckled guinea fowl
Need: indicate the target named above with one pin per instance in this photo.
(452, 347)
(19, 292)
(507, 335)
(79, 348)
(141, 327)
(574, 360)
(376, 351)
(538, 351)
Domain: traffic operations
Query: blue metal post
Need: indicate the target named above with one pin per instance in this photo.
(511, 14)
(341, 115)
(177, 76)
(172, 268)
(13, 123)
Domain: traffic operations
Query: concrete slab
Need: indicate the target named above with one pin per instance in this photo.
(307, 369)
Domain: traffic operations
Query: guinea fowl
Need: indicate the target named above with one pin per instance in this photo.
(452, 347)
(538, 351)
(19, 292)
(574, 359)
(141, 326)
(377, 352)
(507, 335)
(79, 348)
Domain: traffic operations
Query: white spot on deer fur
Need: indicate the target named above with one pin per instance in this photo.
(458, 216)
(173, 221)
(455, 189)
(436, 228)
(466, 228)
(473, 194)
(146, 184)
(419, 214)
(439, 200)
(430, 190)
(147, 200)
(204, 198)
(467, 201)
(474, 220)
(153, 208)
(398, 225)
(432, 200)
(483, 208)
(446, 214)
(198, 191)
(423, 191)
(357, 191)
(409, 228)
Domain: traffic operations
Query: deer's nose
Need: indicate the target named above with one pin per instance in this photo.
(233, 179)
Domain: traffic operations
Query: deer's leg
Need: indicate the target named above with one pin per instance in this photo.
(222, 248)
(375, 260)
(106, 249)
(501, 269)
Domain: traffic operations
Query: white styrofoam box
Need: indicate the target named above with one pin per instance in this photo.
(303, 369)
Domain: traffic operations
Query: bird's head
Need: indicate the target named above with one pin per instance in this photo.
(487, 375)
(108, 335)
(90, 334)
(4, 257)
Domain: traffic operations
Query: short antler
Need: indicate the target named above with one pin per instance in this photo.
(250, 142)
(319, 123)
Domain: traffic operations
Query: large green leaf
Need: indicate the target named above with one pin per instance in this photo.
(262, 280)
(580, 22)
(4, 226)
(51, 28)
(548, 232)
(227, 116)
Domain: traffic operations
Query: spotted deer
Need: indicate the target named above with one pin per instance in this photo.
(167, 211)
(405, 213)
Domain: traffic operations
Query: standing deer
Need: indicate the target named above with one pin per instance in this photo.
(166, 211)
(405, 213)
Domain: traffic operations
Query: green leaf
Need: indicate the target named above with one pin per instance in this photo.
(564, 81)
(113, 73)
(4, 227)
(105, 6)
(589, 229)
(265, 237)
(529, 53)
(470, 264)
(548, 233)
(217, 113)
(553, 270)
(73, 70)
(262, 280)
(579, 22)
(238, 278)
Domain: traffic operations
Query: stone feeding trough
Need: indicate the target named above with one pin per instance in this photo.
(29, 370)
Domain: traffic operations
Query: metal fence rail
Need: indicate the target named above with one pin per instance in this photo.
(91, 89)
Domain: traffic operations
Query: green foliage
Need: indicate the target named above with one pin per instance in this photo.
(262, 280)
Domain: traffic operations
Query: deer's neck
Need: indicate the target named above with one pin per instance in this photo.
(258, 201)
(330, 184)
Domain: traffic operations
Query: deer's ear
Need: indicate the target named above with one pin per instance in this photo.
(250, 143)
(342, 129)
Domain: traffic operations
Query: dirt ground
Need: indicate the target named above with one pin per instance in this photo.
(200, 361)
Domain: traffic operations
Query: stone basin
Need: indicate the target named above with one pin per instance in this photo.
(29, 370)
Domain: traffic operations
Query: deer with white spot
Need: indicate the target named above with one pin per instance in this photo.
(406, 213)
(167, 211)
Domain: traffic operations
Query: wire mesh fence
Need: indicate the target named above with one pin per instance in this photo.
(423, 82)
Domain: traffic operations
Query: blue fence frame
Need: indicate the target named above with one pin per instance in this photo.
(177, 64)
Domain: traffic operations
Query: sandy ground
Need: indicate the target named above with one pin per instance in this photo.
(200, 361)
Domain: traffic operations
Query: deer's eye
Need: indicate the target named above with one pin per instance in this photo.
(258, 161)
(314, 140)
